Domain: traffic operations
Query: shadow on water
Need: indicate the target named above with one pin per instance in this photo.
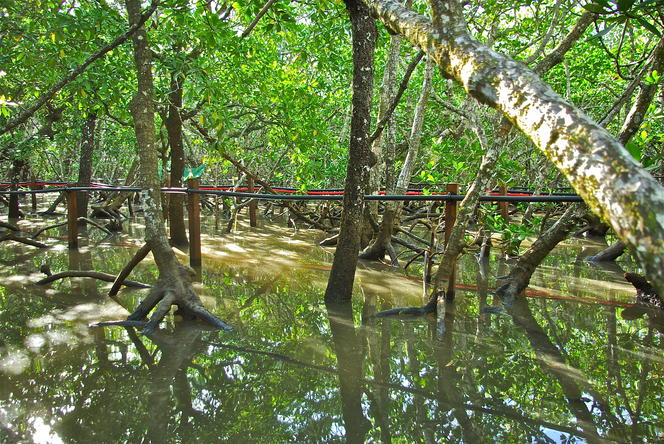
(574, 361)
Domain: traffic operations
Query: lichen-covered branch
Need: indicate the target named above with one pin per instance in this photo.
(611, 182)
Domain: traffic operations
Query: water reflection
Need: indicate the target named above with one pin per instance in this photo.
(573, 361)
(169, 385)
(350, 350)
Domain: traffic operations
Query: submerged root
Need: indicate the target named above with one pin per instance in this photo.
(13, 236)
(430, 307)
(645, 292)
(87, 274)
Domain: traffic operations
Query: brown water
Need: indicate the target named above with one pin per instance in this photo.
(563, 365)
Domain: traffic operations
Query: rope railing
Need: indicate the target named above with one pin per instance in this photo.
(285, 193)
(195, 190)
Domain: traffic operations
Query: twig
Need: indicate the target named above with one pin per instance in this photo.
(256, 20)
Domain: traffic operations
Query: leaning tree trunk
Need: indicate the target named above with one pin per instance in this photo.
(609, 254)
(174, 284)
(111, 207)
(456, 242)
(610, 181)
(85, 162)
(631, 125)
(342, 274)
(525, 266)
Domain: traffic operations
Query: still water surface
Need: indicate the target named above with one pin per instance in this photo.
(565, 364)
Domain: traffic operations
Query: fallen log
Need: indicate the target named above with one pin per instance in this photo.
(88, 274)
(24, 240)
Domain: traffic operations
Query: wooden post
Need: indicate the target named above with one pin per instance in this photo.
(72, 219)
(504, 206)
(450, 220)
(14, 212)
(450, 211)
(194, 209)
(33, 196)
(253, 203)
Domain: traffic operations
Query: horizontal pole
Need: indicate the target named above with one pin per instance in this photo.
(392, 197)
(323, 197)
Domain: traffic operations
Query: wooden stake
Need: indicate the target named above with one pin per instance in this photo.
(450, 211)
(194, 209)
(72, 219)
(504, 206)
(450, 220)
(253, 203)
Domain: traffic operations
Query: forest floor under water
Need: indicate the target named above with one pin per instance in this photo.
(570, 362)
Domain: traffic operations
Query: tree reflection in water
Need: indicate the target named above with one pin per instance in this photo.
(544, 370)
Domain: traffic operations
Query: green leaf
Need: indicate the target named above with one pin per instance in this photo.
(635, 150)
(593, 7)
(625, 5)
(649, 26)
(193, 173)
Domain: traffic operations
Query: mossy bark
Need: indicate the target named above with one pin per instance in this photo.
(611, 182)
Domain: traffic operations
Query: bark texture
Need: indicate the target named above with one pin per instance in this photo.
(610, 181)
(342, 274)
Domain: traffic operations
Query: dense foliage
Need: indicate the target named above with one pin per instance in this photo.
(279, 99)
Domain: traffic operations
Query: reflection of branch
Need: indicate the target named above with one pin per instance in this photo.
(552, 362)
(143, 352)
(643, 379)
(278, 356)
(259, 292)
(500, 411)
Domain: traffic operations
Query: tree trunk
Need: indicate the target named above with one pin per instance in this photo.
(342, 274)
(610, 253)
(174, 130)
(382, 242)
(174, 284)
(382, 145)
(85, 162)
(525, 266)
(456, 242)
(610, 181)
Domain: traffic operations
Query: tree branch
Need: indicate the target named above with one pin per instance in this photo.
(380, 126)
(48, 95)
(257, 19)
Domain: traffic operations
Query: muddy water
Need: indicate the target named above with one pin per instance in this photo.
(571, 362)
